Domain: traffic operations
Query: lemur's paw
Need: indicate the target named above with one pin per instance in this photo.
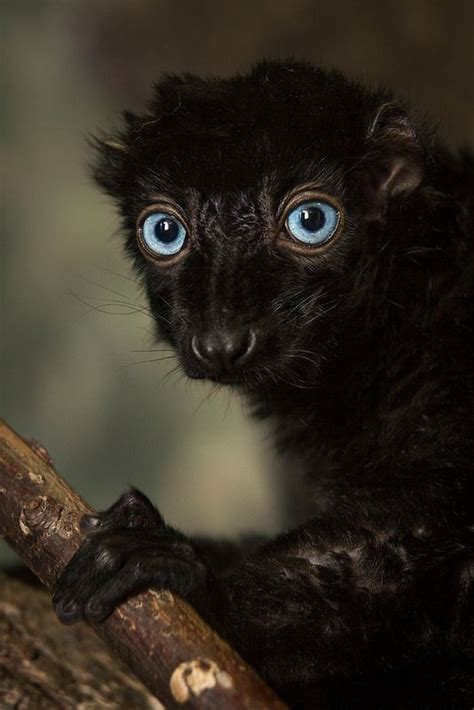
(132, 510)
(127, 549)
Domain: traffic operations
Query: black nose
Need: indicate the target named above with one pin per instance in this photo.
(224, 351)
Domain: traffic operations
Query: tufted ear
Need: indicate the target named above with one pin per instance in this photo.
(394, 161)
(110, 165)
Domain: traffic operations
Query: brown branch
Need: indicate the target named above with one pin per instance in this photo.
(167, 645)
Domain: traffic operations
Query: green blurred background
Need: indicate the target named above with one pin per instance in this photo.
(72, 325)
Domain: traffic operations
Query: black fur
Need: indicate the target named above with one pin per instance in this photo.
(363, 357)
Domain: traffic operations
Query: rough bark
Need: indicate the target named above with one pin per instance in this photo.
(47, 666)
(166, 644)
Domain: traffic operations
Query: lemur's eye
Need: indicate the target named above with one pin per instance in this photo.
(313, 223)
(163, 233)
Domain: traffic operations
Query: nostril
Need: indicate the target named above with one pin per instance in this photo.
(236, 348)
(197, 349)
(244, 347)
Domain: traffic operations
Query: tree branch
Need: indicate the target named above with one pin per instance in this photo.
(167, 645)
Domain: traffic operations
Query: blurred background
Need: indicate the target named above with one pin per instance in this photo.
(74, 334)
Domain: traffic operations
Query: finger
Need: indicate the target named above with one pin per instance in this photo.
(67, 609)
(86, 572)
(132, 510)
(137, 575)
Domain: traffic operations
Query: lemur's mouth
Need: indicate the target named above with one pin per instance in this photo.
(238, 379)
(245, 378)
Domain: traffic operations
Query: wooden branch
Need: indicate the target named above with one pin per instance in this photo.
(166, 644)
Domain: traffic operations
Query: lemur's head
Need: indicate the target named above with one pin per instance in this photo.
(247, 204)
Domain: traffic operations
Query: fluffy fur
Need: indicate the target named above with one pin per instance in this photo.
(363, 359)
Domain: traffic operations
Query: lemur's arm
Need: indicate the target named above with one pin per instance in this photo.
(330, 598)
(222, 555)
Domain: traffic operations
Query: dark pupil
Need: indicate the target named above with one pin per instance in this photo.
(312, 219)
(166, 230)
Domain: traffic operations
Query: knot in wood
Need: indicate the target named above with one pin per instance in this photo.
(45, 513)
(196, 676)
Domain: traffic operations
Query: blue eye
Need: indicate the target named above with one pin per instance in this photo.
(313, 223)
(163, 233)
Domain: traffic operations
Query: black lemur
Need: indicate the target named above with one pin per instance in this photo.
(304, 240)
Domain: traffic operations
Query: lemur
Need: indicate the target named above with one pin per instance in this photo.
(308, 242)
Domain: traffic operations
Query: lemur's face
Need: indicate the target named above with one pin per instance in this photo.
(241, 283)
(246, 215)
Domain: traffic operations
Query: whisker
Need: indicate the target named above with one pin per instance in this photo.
(303, 357)
(207, 398)
(105, 288)
(140, 362)
(121, 276)
(155, 350)
(127, 304)
(229, 402)
(171, 372)
(131, 310)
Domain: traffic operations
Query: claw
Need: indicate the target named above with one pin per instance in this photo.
(95, 611)
(89, 523)
(67, 610)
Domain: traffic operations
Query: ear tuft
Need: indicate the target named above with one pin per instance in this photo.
(394, 162)
(108, 165)
(115, 145)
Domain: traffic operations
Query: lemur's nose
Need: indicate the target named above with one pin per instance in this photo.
(224, 351)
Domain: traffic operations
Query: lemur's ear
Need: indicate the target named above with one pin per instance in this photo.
(108, 164)
(111, 160)
(393, 164)
(112, 164)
